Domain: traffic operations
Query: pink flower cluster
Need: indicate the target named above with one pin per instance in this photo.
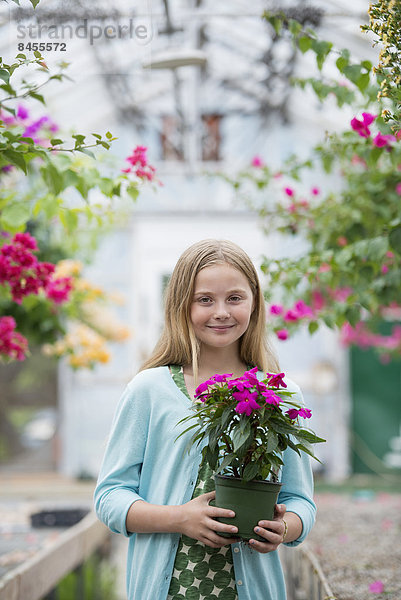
(25, 275)
(139, 164)
(249, 392)
(361, 336)
(299, 311)
(12, 344)
(361, 126)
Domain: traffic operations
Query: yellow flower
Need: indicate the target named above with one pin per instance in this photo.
(68, 268)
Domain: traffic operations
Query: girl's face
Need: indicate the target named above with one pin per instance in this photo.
(222, 305)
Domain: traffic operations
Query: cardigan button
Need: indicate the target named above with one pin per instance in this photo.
(239, 582)
(236, 549)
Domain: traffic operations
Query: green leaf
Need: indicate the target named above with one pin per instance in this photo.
(394, 239)
(312, 327)
(69, 219)
(34, 3)
(79, 139)
(16, 158)
(53, 178)
(239, 437)
(4, 75)
(322, 49)
(304, 43)
(36, 96)
(15, 215)
(295, 27)
(109, 135)
(250, 471)
(133, 191)
(341, 63)
(272, 441)
(56, 141)
(363, 81)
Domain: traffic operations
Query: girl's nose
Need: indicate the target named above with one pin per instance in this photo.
(221, 312)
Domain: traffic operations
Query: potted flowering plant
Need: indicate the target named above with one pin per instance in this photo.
(244, 425)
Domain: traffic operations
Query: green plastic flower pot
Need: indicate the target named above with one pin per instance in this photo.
(251, 501)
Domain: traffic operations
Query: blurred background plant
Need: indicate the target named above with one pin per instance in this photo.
(346, 271)
(57, 197)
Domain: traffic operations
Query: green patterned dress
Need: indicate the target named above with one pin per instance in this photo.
(200, 572)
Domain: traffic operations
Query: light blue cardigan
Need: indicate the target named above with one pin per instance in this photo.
(143, 461)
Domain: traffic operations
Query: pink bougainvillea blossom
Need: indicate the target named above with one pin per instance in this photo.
(289, 191)
(139, 164)
(282, 334)
(302, 309)
(318, 300)
(398, 188)
(257, 161)
(276, 309)
(361, 336)
(59, 290)
(377, 587)
(12, 344)
(341, 294)
(21, 271)
(315, 191)
(362, 127)
(291, 315)
(22, 112)
(324, 268)
(342, 241)
(382, 141)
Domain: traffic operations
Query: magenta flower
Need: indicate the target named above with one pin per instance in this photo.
(271, 397)
(12, 344)
(377, 587)
(282, 334)
(276, 309)
(289, 191)
(291, 315)
(294, 413)
(202, 387)
(221, 378)
(362, 127)
(302, 309)
(398, 188)
(315, 191)
(276, 379)
(246, 402)
(382, 141)
(22, 112)
(59, 290)
(257, 162)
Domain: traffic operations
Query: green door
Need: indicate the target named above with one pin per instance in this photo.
(376, 409)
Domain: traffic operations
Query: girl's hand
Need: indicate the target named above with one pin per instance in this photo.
(273, 532)
(197, 521)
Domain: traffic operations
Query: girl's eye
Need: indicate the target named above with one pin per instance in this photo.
(204, 300)
(235, 298)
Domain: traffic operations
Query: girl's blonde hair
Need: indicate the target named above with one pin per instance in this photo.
(178, 344)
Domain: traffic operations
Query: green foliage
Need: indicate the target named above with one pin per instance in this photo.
(55, 169)
(248, 446)
(96, 578)
(384, 22)
(349, 266)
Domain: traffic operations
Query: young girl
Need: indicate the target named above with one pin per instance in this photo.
(152, 490)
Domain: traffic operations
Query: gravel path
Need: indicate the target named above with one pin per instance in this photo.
(357, 540)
